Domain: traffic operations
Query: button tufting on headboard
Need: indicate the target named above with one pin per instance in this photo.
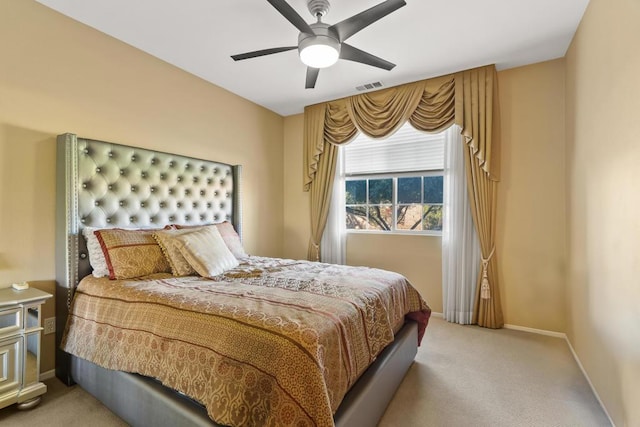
(102, 184)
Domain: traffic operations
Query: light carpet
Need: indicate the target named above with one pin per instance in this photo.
(462, 376)
(472, 376)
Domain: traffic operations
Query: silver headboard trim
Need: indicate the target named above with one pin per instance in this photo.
(66, 217)
(237, 197)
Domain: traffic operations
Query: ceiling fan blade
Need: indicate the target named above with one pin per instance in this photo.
(350, 26)
(312, 76)
(351, 53)
(292, 16)
(262, 52)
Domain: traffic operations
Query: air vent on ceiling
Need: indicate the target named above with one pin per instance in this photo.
(369, 86)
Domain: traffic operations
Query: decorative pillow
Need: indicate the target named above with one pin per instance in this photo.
(131, 253)
(229, 235)
(231, 238)
(206, 251)
(171, 249)
(96, 256)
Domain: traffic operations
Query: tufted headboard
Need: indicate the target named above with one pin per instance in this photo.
(101, 184)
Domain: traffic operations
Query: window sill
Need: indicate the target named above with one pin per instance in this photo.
(396, 233)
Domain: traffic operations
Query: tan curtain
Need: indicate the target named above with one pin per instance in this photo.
(320, 154)
(313, 142)
(468, 99)
(477, 113)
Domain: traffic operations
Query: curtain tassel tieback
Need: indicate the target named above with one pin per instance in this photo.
(316, 248)
(485, 289)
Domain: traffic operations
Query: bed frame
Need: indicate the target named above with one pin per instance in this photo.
(101, 184)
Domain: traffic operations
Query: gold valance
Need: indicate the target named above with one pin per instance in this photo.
(465, 98)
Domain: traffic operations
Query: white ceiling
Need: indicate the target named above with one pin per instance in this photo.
(425, 38)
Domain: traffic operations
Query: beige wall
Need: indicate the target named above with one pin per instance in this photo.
(296, 202)
(57, 76)
(531, 211)
(418, 258)
(531, 231)
(603, 210)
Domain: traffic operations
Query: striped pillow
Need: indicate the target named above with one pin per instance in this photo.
(131, 253)
(228, 233)
(231, 238)
(206, 251)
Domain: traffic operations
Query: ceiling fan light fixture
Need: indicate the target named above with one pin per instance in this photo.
(321, 45)
(319, 51)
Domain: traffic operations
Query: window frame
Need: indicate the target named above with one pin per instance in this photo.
(394, 203)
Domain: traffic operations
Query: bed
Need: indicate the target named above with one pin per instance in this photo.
(111, 186)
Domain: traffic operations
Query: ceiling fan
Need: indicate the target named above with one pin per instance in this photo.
(320, 45)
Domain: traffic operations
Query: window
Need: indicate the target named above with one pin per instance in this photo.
(395, 184)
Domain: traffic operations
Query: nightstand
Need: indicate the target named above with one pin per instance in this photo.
(20, 320)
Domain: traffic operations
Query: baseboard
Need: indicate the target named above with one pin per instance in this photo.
(537, 331)
(437, 315)
(47, 375)
(575, 356)
(593, 389)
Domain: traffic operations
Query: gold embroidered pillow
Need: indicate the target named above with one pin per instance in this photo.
(131, 253)
(171, 249)
(206, 251)
(96, 255)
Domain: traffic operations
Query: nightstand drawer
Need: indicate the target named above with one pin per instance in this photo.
(10, 321)
(9, 364)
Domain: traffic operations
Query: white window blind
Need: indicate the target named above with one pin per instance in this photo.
(407, 150)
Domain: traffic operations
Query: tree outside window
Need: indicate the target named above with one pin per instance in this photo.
(394, 203)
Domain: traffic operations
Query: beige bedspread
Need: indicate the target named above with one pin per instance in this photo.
(272, 342)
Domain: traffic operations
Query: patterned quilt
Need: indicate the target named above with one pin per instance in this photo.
(272, 342)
